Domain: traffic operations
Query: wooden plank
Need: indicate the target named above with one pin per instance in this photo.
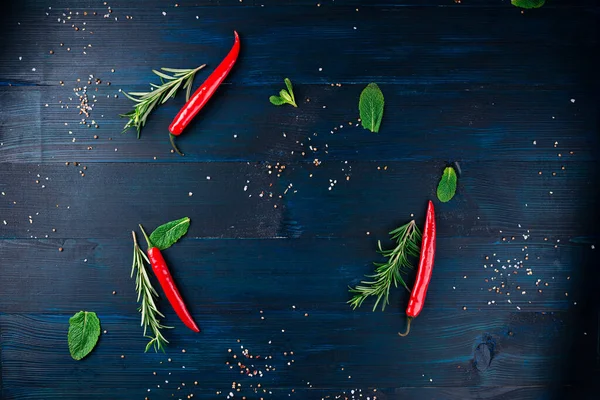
(129, 4)
(420, 124)
(450, 393)
(111, 199)
(20, 125)
(241, 276)
(365, 353)
(445, 50)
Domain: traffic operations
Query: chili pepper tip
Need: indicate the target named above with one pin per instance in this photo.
(408, 319)
(171, 139)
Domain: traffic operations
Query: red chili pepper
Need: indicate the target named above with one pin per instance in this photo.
(159, 266)
(203, 93)
(419, 291)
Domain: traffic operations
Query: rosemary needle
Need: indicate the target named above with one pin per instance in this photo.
(408, 238)
(146, 293)
(146, 102)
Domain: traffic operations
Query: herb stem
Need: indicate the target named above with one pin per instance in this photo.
(146, 102)
(390, 272)
(146, 295)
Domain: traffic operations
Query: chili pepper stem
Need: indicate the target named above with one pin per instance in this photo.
(408, 319)
(145, 236)
(172, 140)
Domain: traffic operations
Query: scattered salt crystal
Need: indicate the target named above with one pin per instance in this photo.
(320, 69)
(208, 178)
(572, 100)
(190, 194)
(164, 13)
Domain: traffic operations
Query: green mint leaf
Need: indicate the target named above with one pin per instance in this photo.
(370, 107)
(167, 234)
(528, 3)
(84, 331)
(276, 100)
(447, 186)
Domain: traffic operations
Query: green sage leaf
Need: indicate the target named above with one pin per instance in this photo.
(370, 107)
(528, 3)
(84, 331)
(447, 186)
(167, 234)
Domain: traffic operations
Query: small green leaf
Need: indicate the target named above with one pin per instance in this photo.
(370, 107)
(528, 3)
(285, 95)
(167, 234)
(84, 331)
(276, 100)
(162, 75)
(447, 186)
(288, 85)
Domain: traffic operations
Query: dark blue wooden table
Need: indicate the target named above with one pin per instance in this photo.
(511, 96)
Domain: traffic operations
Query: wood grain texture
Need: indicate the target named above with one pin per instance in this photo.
(211, 272)
(362, 347)
(462, 122)
(242, 200)
(430, 393)
(509, 95)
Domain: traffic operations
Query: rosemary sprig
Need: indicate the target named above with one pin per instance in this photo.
(159, 94)
(150, 314)
(408, 239)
